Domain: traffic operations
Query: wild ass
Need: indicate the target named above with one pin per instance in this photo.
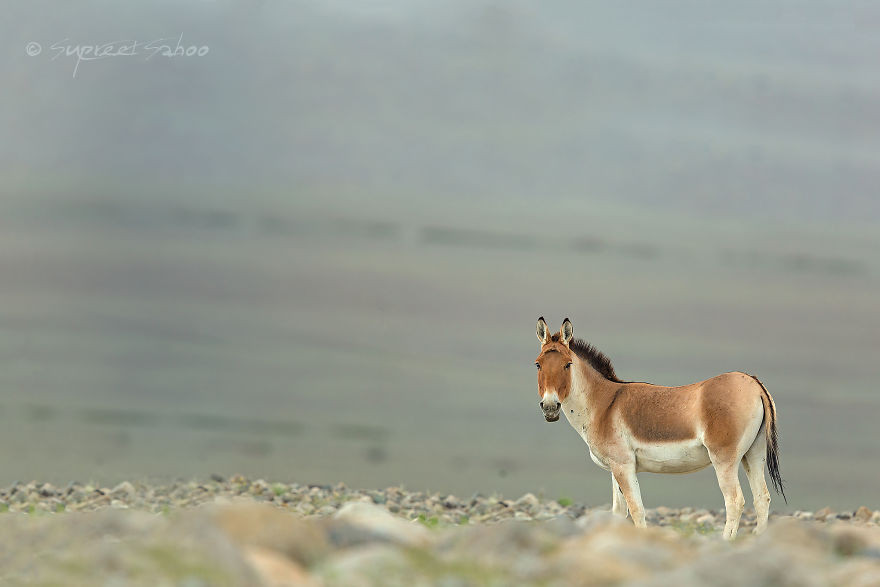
(631, 427)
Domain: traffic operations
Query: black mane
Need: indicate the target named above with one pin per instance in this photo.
(595, 358)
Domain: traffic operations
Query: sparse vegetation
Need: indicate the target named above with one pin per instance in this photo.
(409, 538)
(431, 522)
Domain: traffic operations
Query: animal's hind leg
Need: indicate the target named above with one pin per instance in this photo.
(753, 462)
(625, 475)
(618, 504)
(734, 502)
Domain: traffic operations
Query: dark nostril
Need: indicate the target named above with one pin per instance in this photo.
(557, 405)
(541, 404)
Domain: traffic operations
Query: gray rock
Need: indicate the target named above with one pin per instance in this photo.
(451, 502)
(382, 524)
(123, 490)
(372, 564)
(600, 518)
(863, 514)
(561, 526)
(527, 501)
(706, 519)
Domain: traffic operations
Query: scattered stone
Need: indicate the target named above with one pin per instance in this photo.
(621, 553)
(851, 540)
(375, 564)
(706, 519)
(275, 569)
(527, 501)
(382, 524)
(451, 502)
(124, 489)
(863, 514)
(600, 518)
(267, 527)
(688, 517)
(250, 532)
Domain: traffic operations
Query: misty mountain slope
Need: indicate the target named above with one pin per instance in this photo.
(737, 113)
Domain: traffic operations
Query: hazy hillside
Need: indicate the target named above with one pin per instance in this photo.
(317, 252)
(736, 111)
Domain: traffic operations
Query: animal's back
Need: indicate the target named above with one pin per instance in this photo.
(654, 413)
(672, 429)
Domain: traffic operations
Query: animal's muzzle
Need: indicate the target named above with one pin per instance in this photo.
(551, 409)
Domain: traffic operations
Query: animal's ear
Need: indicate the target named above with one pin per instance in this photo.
(543, 331)
(566, 331)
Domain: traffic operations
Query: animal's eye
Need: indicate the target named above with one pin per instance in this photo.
(538, 365)
(567, 365)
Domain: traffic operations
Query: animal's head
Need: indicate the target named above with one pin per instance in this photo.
(554, 368)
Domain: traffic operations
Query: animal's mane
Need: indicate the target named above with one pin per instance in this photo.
(596, 358)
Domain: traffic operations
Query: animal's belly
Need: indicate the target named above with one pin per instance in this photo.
(672, 457)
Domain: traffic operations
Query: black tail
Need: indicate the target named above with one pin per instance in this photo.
(772, 440)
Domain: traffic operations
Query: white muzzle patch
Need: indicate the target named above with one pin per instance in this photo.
(550, 405)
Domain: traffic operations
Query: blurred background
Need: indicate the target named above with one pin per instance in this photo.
(314, 249)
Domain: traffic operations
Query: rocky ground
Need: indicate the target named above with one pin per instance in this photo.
(249, 532)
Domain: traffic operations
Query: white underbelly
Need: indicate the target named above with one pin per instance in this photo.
(671, 457)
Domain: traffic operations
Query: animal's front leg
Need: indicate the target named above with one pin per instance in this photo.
(618, 505)
(625, 475)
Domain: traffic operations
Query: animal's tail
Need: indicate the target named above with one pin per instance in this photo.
(772, 440)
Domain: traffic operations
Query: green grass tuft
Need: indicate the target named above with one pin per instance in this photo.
(431, 522)
(691, 528)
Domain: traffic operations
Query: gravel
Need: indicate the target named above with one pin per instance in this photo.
(240, 531)
(312, 500)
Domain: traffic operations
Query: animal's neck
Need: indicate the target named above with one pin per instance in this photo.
(587, 385)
